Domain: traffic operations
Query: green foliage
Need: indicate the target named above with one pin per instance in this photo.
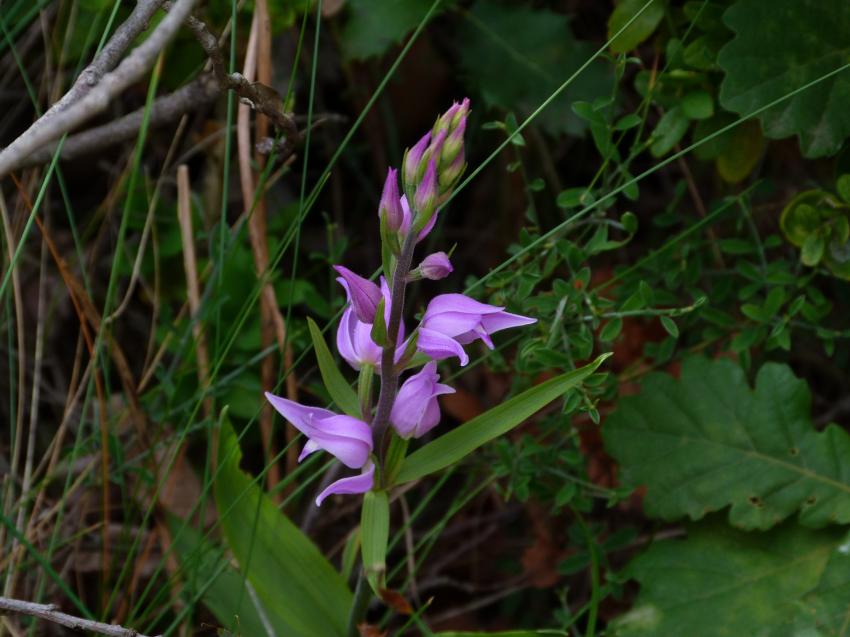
(299, 589)
(374, 535)
(708, 441)
(780, 47)
(373, 27)
(339, 388)
(455, 445)
(818, 223)
(649, 14)
(517, 57)
(220, 586)
(721, 581)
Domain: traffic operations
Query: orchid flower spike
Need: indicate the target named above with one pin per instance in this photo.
(416, 411)
(346, 437)
(453, 320)
(363, 295)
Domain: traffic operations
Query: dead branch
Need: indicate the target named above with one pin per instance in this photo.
(71, 112)
(48, 612)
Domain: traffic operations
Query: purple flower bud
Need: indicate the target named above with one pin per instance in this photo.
(426, 193)
(453, 145)
(411, 160)
(460, 319)
(449, 174)
(363, 295)
(407, 220)
(435, 149)
(390, 206)
(436, 266)
(416, 410)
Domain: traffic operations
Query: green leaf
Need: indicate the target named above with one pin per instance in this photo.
(812, 250)
(339, 389)
(640, 29)
(842, 187)
(671, 128)
(455, 445)
(373, 27)
(611, 330)
(742, 153)
(205, 572)
(517, 56)
(720, 581)
(670, 326)
(708, 441)
(375, 533)
(289, 574)
(698, 105)
(779, 47)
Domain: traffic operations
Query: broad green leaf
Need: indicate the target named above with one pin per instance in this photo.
(517, 56)
(708, 441)
(778, 48)
(373, 27)
(640, 29)
(375, 533)
(204, 571)
(455, 445)
(339, 389)
(720, 581)
(287, 571)
(742, 153)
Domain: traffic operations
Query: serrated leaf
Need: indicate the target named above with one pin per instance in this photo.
(720, 581)
(641, 27)
(778, 48)
(287, 571)
(517, 56)
(708, 442)
(455, 445)
(339, 389)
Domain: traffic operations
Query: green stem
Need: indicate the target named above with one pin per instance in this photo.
(359, 606)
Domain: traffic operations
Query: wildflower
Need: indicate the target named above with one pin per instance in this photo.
(412, 159)
(416, 411)
(407, 220)
(354, 337)
(390, 206)
(363, 295)
(435, 266)
(452, 320)
(346, 437)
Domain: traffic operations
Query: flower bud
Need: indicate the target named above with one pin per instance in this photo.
(390, 206)
(412, 159)
(450, 174)
(453, 145)
(416, 410)
(435, 266)
(363, 295)
(425, 200)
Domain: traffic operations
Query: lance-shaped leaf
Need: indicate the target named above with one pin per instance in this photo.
(708, 441)
(374, 534)
(339, 389)
(287, 571)
(721, 581)
(780, 47)
(460, 442)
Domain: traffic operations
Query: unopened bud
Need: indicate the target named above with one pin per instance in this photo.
(450, 174)
(426, 195)
(390, 206)
(436, 266)
(412, 159)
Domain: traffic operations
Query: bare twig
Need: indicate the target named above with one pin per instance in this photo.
(164, 110)
(48, 612)
(69, 113)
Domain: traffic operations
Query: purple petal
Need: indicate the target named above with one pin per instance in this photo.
(299, 415)
(354, 341)
(354, 484)
(309, 448)
(390, 206)
(439, 346)
(504, 320)
(426, 191)
(363, 295)
(436, 266)
(413, 157)
(459, 303)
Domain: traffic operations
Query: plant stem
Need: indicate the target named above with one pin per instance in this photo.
(389, 373)
(362, 595)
